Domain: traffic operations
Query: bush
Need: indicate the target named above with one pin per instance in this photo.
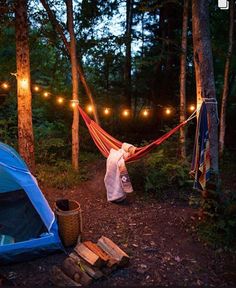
(218, 208)
(49, 143)
(219, 225)
(159, 174)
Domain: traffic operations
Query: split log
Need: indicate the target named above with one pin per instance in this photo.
(97, 250)
(89, 256)
(110, 261)
(74, 271)
(60, 279)
(113, 250)
(93, 272)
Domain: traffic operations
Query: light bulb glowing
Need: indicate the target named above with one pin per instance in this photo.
(36, 88)
(24, 83)
(45, 94)
(60, 100)
(5, 85)
(73, 104)
(126, 113)
(168, 111)
(90, 108)
(106, 111)
(145, 113)
(191, 108)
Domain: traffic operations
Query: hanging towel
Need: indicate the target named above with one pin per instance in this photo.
(117, 181)
(200, 169)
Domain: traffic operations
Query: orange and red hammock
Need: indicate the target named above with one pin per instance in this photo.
(105, 142)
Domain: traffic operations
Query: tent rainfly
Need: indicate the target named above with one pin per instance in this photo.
(28, 227)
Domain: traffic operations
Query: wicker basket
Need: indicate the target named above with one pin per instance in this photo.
(69, 221)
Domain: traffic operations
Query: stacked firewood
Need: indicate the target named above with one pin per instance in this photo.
(89, 261)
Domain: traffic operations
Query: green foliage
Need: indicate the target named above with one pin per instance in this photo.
(160, 174)
(218, 208)
(47, 150)
(8, 131)
(61, 175)
(8, 121)
(50, 143)
(164, 172)
(219, 228)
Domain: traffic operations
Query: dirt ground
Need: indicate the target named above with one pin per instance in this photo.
(159, 237)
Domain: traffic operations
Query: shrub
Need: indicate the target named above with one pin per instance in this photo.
(158, 173)
(218, 227)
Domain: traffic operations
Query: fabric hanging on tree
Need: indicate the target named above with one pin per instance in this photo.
(117, 181)
(200, 168)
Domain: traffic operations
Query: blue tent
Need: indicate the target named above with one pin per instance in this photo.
(28, 226)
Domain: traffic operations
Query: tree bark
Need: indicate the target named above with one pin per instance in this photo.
(60, 31)
(127, 68)
(226, 80)
(24, 97)
(183, 80)
(75, 86)
(205, 76)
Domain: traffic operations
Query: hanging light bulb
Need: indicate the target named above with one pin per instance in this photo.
(60, 100)
(192, 108)
(168, 111)
(145, 113)
(74, 103)
(90, 108)
(5, 85)
(45, 94)
(106, 111)
(36, 88)
(126, 113)
(24, 83)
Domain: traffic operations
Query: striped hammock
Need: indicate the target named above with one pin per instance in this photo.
(105, 142)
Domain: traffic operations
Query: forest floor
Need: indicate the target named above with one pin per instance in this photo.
(160, 238)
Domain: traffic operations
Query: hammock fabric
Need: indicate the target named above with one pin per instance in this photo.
(105, 142)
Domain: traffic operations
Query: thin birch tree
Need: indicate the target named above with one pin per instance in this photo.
(75, 86)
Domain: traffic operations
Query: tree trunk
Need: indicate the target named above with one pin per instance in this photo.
(75, 86)
(127, 70)
(205, 77)
(59, 30)
(226, 80)
(24, 97)
(183, 80)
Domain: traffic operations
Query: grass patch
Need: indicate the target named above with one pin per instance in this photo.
(61, 175)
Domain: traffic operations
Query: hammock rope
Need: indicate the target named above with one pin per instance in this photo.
(105, 141)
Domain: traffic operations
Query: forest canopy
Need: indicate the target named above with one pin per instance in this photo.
(147, 77)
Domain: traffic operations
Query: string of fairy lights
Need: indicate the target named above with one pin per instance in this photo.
(60, 100)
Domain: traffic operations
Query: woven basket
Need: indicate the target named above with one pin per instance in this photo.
(69, 221)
